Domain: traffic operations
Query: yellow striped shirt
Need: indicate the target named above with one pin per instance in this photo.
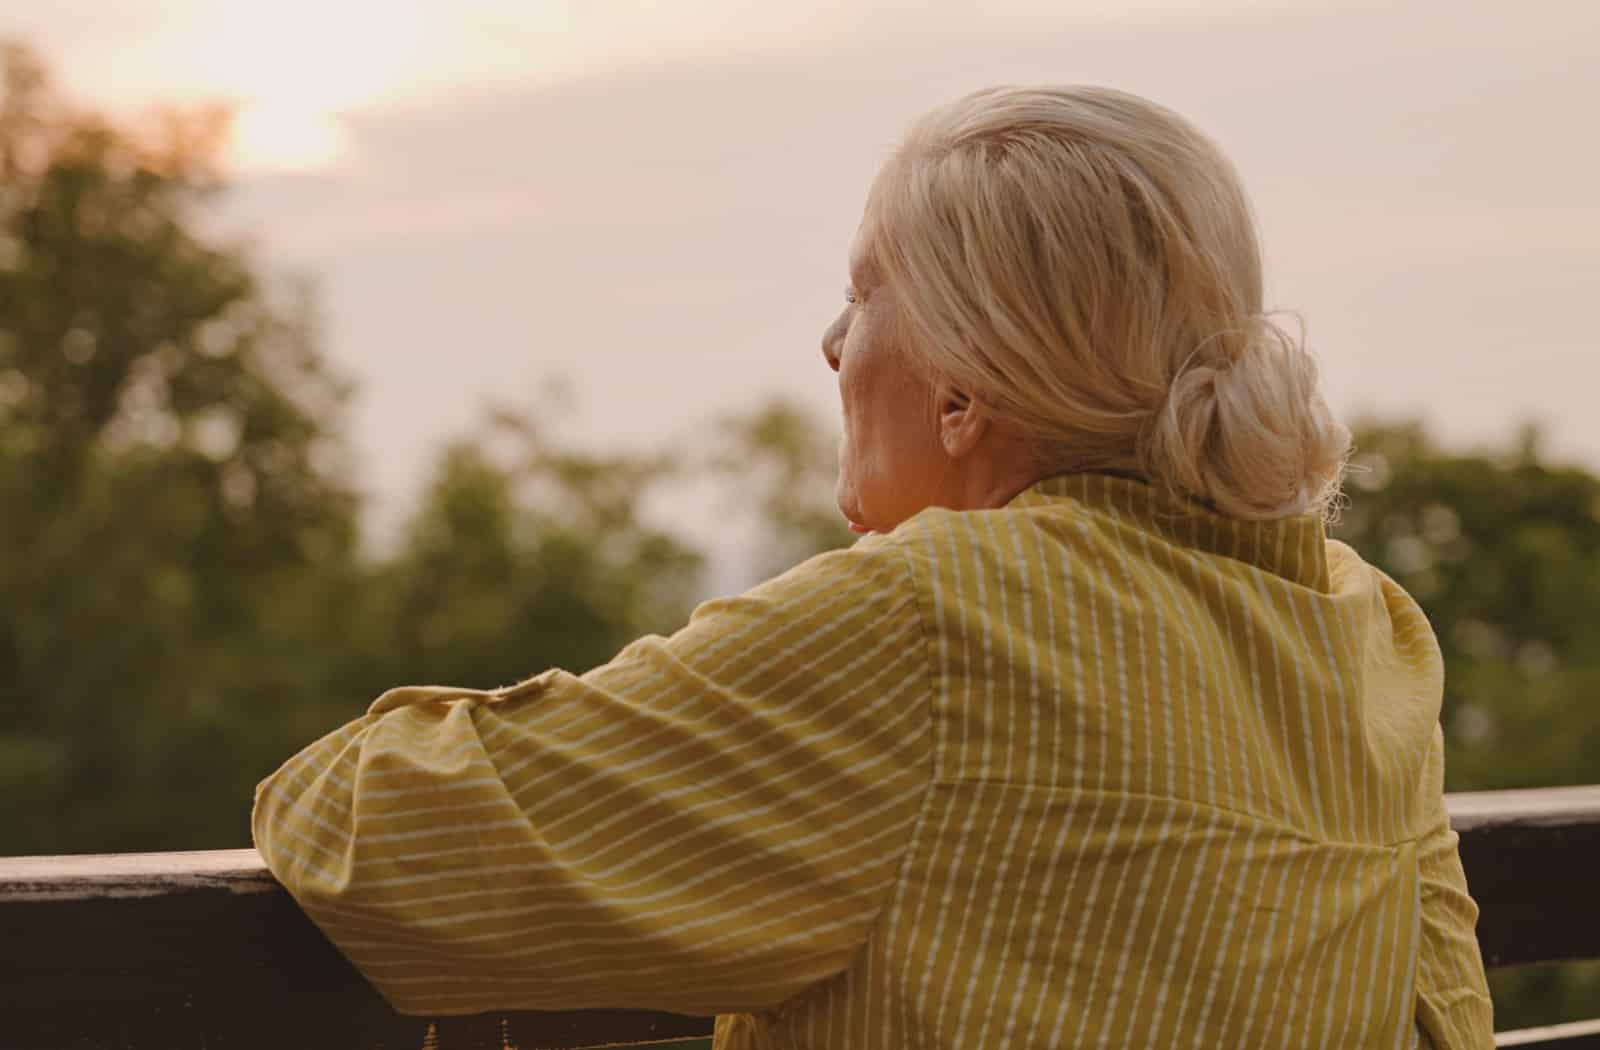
(1095, 769)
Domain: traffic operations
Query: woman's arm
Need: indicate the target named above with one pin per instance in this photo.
(709, 823)
(1452, 992)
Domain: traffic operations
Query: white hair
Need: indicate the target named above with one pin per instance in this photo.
(1085, 262)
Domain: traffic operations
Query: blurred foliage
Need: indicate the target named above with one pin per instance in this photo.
(185, 600)
(778, 464)
(166, 469)
(540, 559)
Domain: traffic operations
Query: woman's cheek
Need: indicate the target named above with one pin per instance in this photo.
(844, 484)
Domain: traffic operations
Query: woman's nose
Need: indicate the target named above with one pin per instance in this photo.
(832, 337)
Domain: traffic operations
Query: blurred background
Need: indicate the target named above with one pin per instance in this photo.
(349, 345)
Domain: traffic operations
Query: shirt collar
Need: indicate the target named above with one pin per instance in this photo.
(1294, 547)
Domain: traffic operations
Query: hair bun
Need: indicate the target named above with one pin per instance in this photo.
(1086, 262)
(1245, 428)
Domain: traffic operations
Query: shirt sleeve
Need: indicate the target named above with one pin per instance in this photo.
(709, 823)
(1453, 1003)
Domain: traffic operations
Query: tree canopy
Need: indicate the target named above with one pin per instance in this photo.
(168, 434)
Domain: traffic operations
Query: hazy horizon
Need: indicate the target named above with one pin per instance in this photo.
(660, 210)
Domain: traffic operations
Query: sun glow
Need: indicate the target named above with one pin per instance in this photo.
(268, 138)
(295, 66)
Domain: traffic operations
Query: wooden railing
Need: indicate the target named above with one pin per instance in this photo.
(179, 951)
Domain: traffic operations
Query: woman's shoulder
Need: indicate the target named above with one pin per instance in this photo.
(1393, 613)
(874, 571)
(1348, 571)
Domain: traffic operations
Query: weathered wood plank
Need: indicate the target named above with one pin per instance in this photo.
(1532, 859)
(188, 950)
(1579, 1035)
(182, 950)
(1525, 807)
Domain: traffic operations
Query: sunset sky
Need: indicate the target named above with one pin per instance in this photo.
(655, 198)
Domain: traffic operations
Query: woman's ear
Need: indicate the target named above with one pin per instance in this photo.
(962, 419)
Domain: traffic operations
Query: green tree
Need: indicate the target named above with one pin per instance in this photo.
(183, 600)
(540, 557)
(777, 465)
(168, 444)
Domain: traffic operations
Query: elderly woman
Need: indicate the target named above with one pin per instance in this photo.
(1094, 740)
